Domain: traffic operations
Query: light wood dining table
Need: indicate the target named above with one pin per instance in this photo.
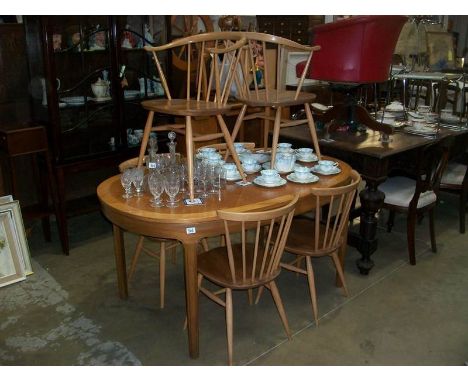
(189, 224)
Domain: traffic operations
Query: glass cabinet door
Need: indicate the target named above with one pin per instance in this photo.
(86, 119)
(140, 79)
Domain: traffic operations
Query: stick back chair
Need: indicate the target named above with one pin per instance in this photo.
(271, 94)
(324, 235)
(414, 197)
(160, 254)
(252, 262)
(217, 55)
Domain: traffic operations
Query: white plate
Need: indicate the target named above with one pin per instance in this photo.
(260, 182)
(310, 179)
(311, 158)
(75, 101)
(131, 94)
(257, 169)
(102, 99)
(336, 170)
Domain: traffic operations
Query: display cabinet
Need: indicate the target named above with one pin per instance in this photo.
(89, 75)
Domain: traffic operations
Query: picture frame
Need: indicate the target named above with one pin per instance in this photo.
(440, 50)
(12, 209)
(11, 263)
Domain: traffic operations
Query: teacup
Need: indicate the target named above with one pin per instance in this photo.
(326, 165)
(250, 166)
(205, 150)
(446, 114)
(212, 155)
(305, 152)
(424, 109)
(284, 145)
(231, 169)
(419, 124)
(301, 172)
(239, 147)
(270, 176)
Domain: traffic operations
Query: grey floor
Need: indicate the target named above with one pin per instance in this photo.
(68, 311)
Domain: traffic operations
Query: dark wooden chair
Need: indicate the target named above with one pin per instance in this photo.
(248, 262)
(414, 197)
(324, 235)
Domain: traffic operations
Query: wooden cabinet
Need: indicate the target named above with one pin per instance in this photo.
(91, 129)
(296, 28)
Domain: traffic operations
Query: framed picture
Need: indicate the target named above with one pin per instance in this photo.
(11, 263)
(11, 209)
(440, 50)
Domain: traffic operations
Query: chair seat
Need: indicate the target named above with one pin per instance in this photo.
(183, 107)
(454, 174)
(399, 191)
(214, 265)
(270, 98)
(301, 239)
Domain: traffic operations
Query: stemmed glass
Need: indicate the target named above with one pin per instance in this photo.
(172, 185)
(126, 179)
(156, 187)
(138, 177)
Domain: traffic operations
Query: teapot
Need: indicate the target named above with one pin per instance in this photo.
(100, 88)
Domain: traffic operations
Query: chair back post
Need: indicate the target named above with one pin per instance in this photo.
(261, 260)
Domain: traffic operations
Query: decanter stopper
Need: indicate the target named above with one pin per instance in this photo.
(172, 146)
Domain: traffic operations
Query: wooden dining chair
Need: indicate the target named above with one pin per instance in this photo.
(271, 94)
(160, 254)
(324, 235)
(211, 59)
(416, 194)
(455, 180)
(251, 261)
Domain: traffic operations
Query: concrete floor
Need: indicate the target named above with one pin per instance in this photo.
(68, 311)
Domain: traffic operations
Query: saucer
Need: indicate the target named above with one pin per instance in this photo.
(234, 178)
(73, 101)
(335, 170)
(256, 169)
(307, 159)
(101, 99)
(260, 182)
(311, 178)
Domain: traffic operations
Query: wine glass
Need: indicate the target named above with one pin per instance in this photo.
(126, 179)
(138, 177)
(156, 187)
(172, 185)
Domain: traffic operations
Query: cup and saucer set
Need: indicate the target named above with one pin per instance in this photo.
(231, 172)
(306, 155)
(302, 175)
(326, 167)
(269, 178)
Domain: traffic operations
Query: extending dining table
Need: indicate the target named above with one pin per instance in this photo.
(190, 224)
(374, 160)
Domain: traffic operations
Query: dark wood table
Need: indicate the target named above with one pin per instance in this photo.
(374, 160)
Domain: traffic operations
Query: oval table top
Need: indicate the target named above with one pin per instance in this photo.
(136, 211)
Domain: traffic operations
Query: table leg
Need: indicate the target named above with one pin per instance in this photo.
(371, 201)
(119, 253)
(191, 296)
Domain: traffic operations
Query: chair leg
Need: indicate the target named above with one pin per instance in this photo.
(189, 151)
(432, 231)
(135, 258)
(390, 221)
(204, 243)
(266, 127)
(313, 132)
(276, 130)
(411, 223)
(339, 271)
(279, 305)
(313, 295)
(146, 134)
(229, 323)
(162, 274)
(238, 124)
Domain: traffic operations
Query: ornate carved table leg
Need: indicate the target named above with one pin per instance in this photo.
(371, 201)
